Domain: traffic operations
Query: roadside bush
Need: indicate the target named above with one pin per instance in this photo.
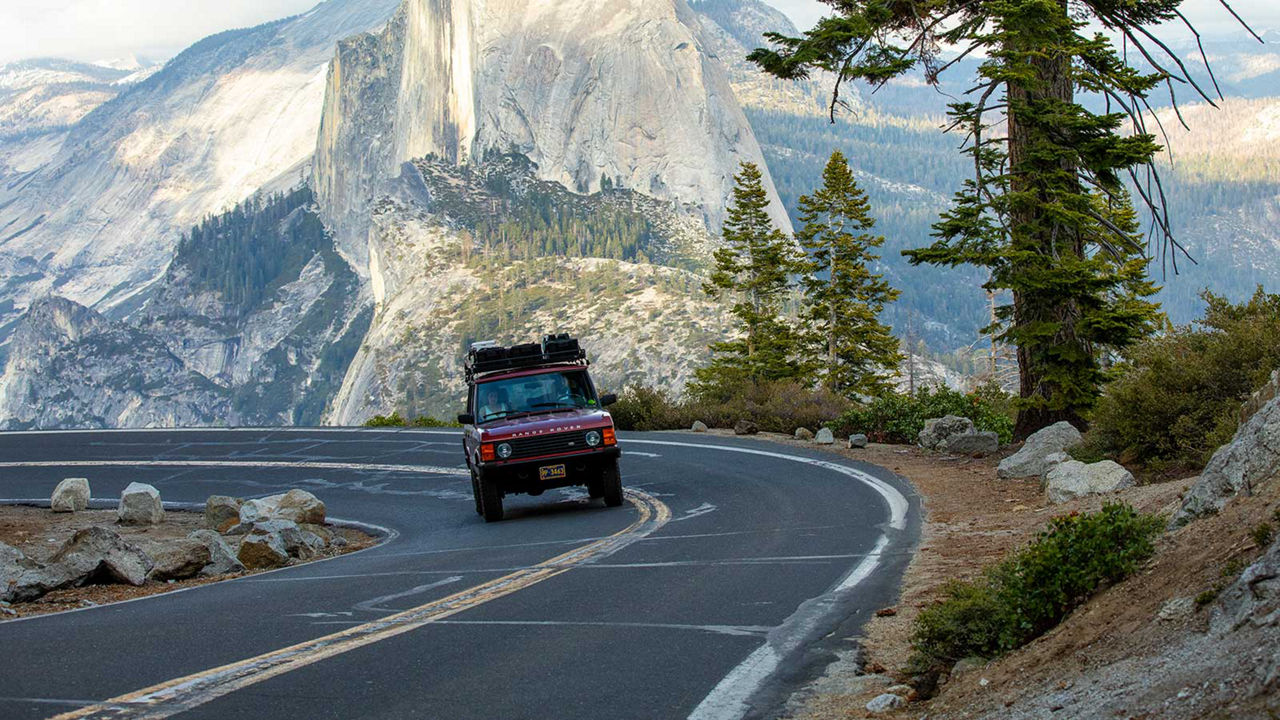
(646, 408)
(394, 420)
(775, 407)
(899, 418)
(1177, 396)
(1032, 591)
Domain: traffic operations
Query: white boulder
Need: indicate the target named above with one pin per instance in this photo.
(297, 506)
(1036, 456)
(699, 426)
(858, 441)
(71, 495)
(1074, 479)
(824, 437)
(885, 703)
(140, 505)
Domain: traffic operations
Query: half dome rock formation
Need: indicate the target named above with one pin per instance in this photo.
(594, 92)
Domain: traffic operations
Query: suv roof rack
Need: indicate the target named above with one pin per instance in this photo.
(487, 357)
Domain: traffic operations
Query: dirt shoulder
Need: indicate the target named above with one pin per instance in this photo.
(1116, 652)
(39, 533)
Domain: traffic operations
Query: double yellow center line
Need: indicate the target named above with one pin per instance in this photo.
(184, 693)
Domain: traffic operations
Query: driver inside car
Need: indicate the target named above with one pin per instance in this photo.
(493, 404)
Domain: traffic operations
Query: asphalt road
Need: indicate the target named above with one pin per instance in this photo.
(726, 581)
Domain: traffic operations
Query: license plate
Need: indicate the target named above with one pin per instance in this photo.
(551, 472)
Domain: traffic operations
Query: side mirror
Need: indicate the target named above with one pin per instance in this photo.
(608, 399)
(466, 419)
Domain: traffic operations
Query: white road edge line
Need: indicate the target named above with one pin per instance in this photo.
(729, 699)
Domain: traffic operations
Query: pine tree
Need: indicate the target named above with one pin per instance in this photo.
(1035, 214)
(754, 269)
(843, 298)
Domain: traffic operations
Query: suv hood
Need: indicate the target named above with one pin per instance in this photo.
(558, 421)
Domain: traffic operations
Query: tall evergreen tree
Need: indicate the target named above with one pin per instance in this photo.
(1032, 212)
(753, 268)
(843, 298)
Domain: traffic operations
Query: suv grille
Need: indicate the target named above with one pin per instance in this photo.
(526, 447)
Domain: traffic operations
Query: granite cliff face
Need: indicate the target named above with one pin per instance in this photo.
(71, 367)
(616, 113)
(622, 91)
(94, 213)
(604, 95)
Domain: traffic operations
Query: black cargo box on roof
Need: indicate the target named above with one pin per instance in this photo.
(554, 350)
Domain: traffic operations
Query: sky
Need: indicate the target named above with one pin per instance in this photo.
(95, 30)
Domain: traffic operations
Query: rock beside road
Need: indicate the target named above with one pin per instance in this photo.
(140, 505)
(221, 559)
(1251, 457)
(824, 436)
(14, 564)
(937, 431)
(803, 433)
(973, 444)
(699, 426)
(1073, 479)
(1037, 455)
(885, 703)
(96, 554)
(745, 427)
(296, 506)
(858, 441)
(272, 543)
(178, 559)
(221, 512)
(71, 495)
(262, 551)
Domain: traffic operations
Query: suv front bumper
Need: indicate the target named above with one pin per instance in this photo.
(522, 476)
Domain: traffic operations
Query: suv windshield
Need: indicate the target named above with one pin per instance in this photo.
(547, 392)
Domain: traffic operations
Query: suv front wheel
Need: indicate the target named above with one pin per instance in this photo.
(611, 485)
(475, 492)
(490, 498)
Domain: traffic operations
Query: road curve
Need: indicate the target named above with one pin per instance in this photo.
(723, 584)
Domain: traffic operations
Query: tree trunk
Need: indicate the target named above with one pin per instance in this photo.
(1031, 230)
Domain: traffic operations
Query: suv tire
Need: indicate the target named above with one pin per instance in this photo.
(611, 485)
(475, 492)
(490, 499)
(595, 488)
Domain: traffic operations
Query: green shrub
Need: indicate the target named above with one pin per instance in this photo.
(646, 408)
(394, 420)
(899, 418)
(430, 422)
(775, 407)
(1262, 534)
(1176, 398)
(1033, 590)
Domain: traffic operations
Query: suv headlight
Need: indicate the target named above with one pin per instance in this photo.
(504, 451)
(593, 438)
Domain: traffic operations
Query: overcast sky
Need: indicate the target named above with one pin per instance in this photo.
(107, 29)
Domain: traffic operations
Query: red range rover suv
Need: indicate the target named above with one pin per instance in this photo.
(534, 422)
